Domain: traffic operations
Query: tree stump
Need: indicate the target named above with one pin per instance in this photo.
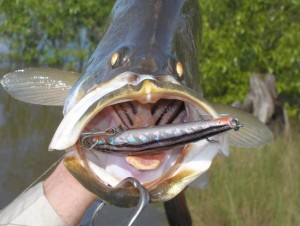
(263, 102)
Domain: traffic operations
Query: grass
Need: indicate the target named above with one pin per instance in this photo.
(252, 187)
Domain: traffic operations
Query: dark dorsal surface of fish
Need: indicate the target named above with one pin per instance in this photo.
(150, 37)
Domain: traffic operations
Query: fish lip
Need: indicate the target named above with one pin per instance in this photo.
(145, 89)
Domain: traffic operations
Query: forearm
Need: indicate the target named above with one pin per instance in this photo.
(67, 196)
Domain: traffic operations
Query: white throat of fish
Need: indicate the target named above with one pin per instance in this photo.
(136, 101)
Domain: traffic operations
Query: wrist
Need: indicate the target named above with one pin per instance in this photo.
(67, 196)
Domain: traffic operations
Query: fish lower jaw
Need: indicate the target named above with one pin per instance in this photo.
(102, 174)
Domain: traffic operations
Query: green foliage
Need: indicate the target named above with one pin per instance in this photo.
(51, 32)
(241, 37)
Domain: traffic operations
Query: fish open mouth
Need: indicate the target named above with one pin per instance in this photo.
(141, 102)
(132, 114)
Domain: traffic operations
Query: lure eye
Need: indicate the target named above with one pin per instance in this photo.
(114, 59)
(179, 69)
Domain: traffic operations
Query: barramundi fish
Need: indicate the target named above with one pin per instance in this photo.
(143, 73)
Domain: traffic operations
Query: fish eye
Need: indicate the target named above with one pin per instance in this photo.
(114, 59)
(179, 69)
(120, 58)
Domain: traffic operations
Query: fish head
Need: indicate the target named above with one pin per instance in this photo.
(136, 78)
(143, 73)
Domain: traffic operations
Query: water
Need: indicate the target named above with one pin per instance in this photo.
(25, 133)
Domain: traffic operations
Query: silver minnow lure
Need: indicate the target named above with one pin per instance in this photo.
(157, 138)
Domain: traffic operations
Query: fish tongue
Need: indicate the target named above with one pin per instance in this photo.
(146, 161)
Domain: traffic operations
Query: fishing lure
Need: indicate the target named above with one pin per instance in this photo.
(156, 138)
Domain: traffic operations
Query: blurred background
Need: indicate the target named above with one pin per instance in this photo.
(241, 40)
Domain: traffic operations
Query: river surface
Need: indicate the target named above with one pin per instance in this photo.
(25, 133)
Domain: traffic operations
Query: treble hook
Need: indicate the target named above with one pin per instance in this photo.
(143, 200)
(97, 210)
(107, 132)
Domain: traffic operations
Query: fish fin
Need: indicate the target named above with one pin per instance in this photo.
(224, 140)
(44, 86)
(252, 134)
(200, 182)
